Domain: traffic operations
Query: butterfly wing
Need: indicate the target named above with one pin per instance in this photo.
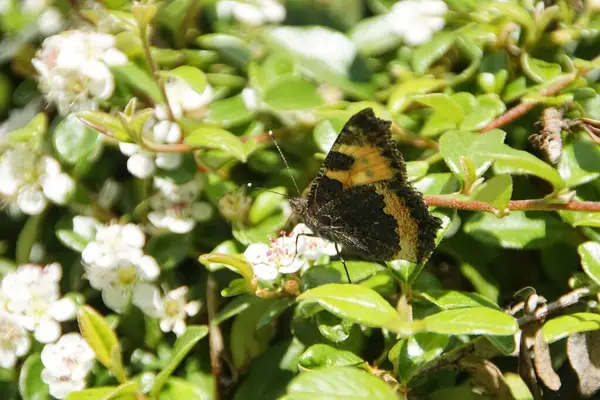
(363, 200)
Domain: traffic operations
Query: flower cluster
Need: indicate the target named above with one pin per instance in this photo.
(417, 20)
(28, 179)
(49, 19)
(175, 207)
(115, 264)
(251, 12)
(73, 69)
(67, 364)
(287, 254)
(182, 100)
(30, 301)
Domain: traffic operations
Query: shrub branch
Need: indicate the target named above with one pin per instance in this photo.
(513, 205)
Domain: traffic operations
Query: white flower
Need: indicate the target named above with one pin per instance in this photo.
(417, 20)
(73, 69)
(50, 21)
(183, 99)
(312, 247)
(174, 207)
(29, 179)
(142, 163)
(172, 309)
(14, 341)
(32, 295)
(251, 12)
(67, 364)
(115, 263)
(281, 257)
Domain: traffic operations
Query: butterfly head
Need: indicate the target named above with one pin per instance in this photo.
(299, 206)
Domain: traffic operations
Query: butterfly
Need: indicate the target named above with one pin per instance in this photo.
(362, 200)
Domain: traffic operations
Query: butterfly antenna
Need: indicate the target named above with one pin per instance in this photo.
(262, 189)
(287, 166)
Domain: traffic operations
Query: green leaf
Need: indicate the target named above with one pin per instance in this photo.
(567, 325)
(292, 93)
(471, 321)
(495, 192)
(519, 162)
(122, 392)
(169, 249)
(339, 383)
(75, 141)
(415, 170)
(267, 203)
(177, 388)
(324, 356)
(443, 104)
(106, 124)
(590, 259)
(194, 77)
(228, 112)
(333, 272)
(236, 263)
(344, 68)
(138, 79)
(327, 131)
(246, 341)
(402, 93)
(27, 237)
(425, 55)
(437, 183)
(71, 239)
(457, 144)
(356, 303)
(231, 47)
(182, 346)
(98, 334)
(374, 35)
(538, 70)
(489, 106)
(517, 230)
(416, 351)
(579, 162)
(451, 299)
(210, 137)
(31, 386)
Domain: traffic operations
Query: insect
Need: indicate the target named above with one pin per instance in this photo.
(361, 197)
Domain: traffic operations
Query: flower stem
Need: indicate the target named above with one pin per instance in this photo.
(513, 205)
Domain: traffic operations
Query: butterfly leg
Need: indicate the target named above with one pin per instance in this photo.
(337, 249)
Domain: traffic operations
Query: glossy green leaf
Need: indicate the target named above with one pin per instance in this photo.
(374, 35)
(210, 137)
(324, 356)
(177, 388)
(538, 70)
(495, 192)
(327, 131)
(579, 162)
(231, 47)
(339, 383)
(193, 76)
(520, 162)
(357, 303)
(228, 112)
(138, 79)
(450, 299)
(31, 386)
(105, 123)
(471, 321)
(443, 104)
(415, 170)
(234, 262)
(457, 144)
(489, 106)
(28, 236)
(437, 183)
(98, 334)
(182, 346)
(402, 94)
(246, 340)
(75, 141)
(126, 391)
(292, 93)
(590, 259)
(266, 203)
(425, 55)
(416, 351)
(517, 230)
(567, 325)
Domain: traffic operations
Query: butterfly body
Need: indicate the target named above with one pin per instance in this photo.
(362, 199)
